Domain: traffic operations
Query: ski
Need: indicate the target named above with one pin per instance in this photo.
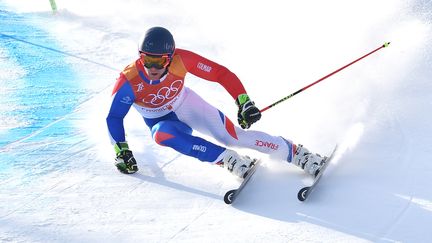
(231, 195)
(304, 193)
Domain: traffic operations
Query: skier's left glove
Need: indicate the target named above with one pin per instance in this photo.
(248, 113)
(125, 161)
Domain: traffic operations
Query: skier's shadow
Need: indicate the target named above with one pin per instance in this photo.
(274, 196)
(177, 186)
(159, 178)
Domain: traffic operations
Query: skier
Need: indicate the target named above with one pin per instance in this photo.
(155, 85)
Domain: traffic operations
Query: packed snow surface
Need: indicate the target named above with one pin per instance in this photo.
(57, 178)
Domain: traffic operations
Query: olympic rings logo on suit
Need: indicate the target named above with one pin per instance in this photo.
(164, 94)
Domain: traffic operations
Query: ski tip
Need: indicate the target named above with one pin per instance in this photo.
(386, 44)
(303, 194)
(229, 197)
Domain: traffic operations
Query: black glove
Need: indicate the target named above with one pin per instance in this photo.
(125, 161)
(248, 113)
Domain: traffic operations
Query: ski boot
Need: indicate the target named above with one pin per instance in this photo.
(309, 162)
(235, 163)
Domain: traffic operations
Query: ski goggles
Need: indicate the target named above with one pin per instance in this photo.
(156, 61)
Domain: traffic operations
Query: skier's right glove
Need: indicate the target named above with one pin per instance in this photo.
(125, 161)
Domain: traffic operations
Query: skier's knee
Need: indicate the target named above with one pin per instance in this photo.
(161, 132)
(160, 137)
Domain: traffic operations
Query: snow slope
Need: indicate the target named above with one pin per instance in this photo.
(57, 179)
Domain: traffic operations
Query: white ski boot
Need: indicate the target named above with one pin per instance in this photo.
(309, 162)
(235, 163)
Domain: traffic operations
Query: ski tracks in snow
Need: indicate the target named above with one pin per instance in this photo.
(404, 161)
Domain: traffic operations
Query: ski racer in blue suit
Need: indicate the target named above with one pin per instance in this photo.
(154, 84)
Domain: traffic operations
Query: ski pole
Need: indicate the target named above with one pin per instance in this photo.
(321, 79)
